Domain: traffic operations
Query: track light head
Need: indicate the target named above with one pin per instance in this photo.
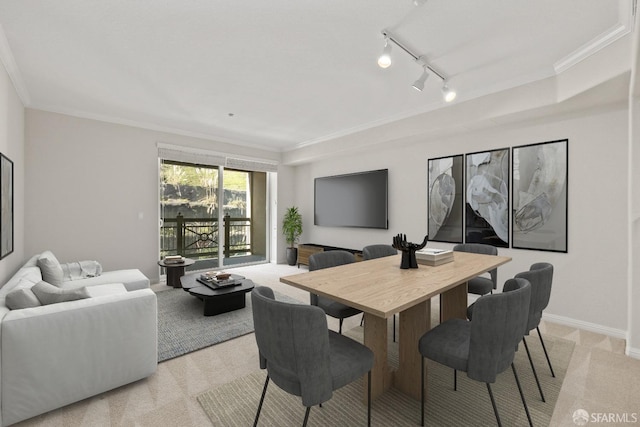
(384, 60)
(419, 84)
(448, 93)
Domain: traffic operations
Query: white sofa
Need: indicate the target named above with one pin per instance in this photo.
(57, 354)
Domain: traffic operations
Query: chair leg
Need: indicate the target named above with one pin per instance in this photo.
(264, 391)
(533, 368)
(422, 391)
(524, 402)
(493, 403)
(545, 352)
(340, 329)
(369, 401)
(306, 416)
(362, 320)
(455, 380)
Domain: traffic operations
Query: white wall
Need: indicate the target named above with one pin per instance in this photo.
(12, 146)
(92, 189)
(590, 282)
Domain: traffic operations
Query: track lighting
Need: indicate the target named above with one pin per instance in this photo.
(419, 84)
(448, 93)
(385, 59)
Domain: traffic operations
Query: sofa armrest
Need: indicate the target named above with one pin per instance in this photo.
(58, 354)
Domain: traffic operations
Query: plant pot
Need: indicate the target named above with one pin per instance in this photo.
(292, 256)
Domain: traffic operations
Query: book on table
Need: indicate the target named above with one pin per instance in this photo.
(211, 280)
(173, 259)
(434, 257)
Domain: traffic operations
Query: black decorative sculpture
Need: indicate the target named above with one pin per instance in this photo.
(408, 250)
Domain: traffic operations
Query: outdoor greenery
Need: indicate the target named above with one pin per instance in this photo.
(197, 186)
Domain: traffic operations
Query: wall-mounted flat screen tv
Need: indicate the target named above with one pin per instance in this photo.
(353, 200)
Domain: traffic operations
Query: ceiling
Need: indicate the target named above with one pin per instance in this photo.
(283, 74)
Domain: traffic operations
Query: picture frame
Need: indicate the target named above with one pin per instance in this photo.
(540, 196)
(487, 197)
(445, 199)
(6, 206)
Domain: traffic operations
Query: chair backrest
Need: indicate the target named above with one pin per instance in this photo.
(378, 251)
(540, 275)
(328, 259)
(293, 341)
(479, 248)
(498, 325)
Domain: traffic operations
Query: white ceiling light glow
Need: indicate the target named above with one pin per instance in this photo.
(385, 60)
(448, 93)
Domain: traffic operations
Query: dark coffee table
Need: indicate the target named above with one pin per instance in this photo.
(217, 301)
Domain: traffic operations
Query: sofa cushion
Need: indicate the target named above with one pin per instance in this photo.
(108, 289)
(51, 270)
(49, 294)
(132, 279)
(22, 298)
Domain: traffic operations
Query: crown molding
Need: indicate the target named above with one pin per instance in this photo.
(6, 56)
(592, 47)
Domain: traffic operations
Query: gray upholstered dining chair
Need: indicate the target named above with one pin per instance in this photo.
(480, 285)
(379, 251)
(333, 308)
(540, 275)
(301, 355)
(484, 346)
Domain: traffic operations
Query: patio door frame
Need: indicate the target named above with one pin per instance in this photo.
(205, 158)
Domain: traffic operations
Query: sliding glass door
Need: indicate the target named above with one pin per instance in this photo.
(214, 215)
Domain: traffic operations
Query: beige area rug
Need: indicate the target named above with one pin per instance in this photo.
(235, 403)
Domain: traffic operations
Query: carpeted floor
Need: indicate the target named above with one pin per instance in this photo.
(183, 328)
(235, 403)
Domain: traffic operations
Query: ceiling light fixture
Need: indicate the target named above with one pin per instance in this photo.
(448, 93)
(384, 60)
(419, 84)
(419, 2)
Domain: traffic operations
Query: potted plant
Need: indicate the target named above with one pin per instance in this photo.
(292, 229)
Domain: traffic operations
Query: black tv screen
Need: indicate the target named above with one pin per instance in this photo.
(353, 200)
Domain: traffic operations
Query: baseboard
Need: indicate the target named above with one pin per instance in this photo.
(633, 352)
(587, 326)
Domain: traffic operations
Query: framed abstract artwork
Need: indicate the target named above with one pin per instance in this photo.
(445, 199)
(487, 198)
(539, 212)
(6, 206)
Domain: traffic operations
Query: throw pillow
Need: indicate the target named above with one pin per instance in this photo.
(21, 298)
(49, 294)
(51, 271)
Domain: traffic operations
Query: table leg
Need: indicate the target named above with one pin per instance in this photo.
(453, 303)
(375, 337)
(173, 276)
(414, 322)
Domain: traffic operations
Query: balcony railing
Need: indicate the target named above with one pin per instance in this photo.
(198, 238)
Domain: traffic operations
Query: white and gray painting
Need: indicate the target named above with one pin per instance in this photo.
(445, 199)
(539, 196)
(488, 198)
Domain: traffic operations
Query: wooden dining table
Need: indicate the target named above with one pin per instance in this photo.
(380, 288)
